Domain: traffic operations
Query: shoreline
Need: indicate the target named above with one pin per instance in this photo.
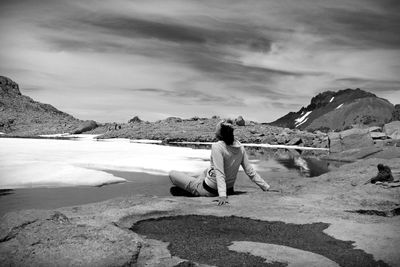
(325, 199)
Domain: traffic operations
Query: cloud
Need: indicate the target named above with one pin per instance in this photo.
(259, 58)
(191, 97)
(361, 28)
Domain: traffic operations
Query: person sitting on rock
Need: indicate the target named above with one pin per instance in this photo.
(218, 180)
(384, 174)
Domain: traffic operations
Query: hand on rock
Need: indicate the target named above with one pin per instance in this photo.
(222, 201)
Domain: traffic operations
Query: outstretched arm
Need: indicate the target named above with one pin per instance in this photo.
(252, 174)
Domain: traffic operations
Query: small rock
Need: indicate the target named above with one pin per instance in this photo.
(59, 218)
(295, 141)
(281, 139)
(378, 135)
(375, 129)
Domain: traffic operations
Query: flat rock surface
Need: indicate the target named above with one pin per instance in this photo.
(101, 233)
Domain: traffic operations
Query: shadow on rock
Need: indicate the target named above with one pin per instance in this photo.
(5, 192)
(178, 192)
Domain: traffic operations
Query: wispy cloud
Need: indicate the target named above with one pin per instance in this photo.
(190, 97)
(259, 59)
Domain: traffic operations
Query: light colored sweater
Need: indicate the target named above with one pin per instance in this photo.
(225, 163)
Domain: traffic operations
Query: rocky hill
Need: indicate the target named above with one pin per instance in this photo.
(21, 115)
(196, 129)
(339, 110)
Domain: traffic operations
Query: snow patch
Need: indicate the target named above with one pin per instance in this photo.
(331, 99)
(68, 135)
(1, 133)
(146, 141)
(339, 106)
(302, 122)
(302, 119)
(56, 163)
(55, 135)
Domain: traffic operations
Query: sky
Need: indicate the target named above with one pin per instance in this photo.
(112, 60)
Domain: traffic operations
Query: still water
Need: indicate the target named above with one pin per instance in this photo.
(270, 164)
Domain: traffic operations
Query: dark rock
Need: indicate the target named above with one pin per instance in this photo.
(239, 121)
(295, 141)
(84, 127)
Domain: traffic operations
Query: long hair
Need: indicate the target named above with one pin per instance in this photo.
(224, 132)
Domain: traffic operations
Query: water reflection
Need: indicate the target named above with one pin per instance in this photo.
(308, 167)
(307, 163)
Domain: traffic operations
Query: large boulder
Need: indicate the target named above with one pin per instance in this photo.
(239, 121)
(349, 139)
(84, 127)
(135, 119)
(392, 129)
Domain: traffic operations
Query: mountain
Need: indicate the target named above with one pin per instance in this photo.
(339, 110)
(21, 115)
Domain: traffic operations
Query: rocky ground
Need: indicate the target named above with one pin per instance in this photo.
(203, 130)
(311, 221)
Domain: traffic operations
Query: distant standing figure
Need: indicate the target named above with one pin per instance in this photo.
(218, 180)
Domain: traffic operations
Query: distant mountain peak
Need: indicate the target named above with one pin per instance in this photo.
(339, 110)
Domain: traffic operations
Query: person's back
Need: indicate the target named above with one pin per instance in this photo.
(224, 167)
(232, 157)
(227, 155)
